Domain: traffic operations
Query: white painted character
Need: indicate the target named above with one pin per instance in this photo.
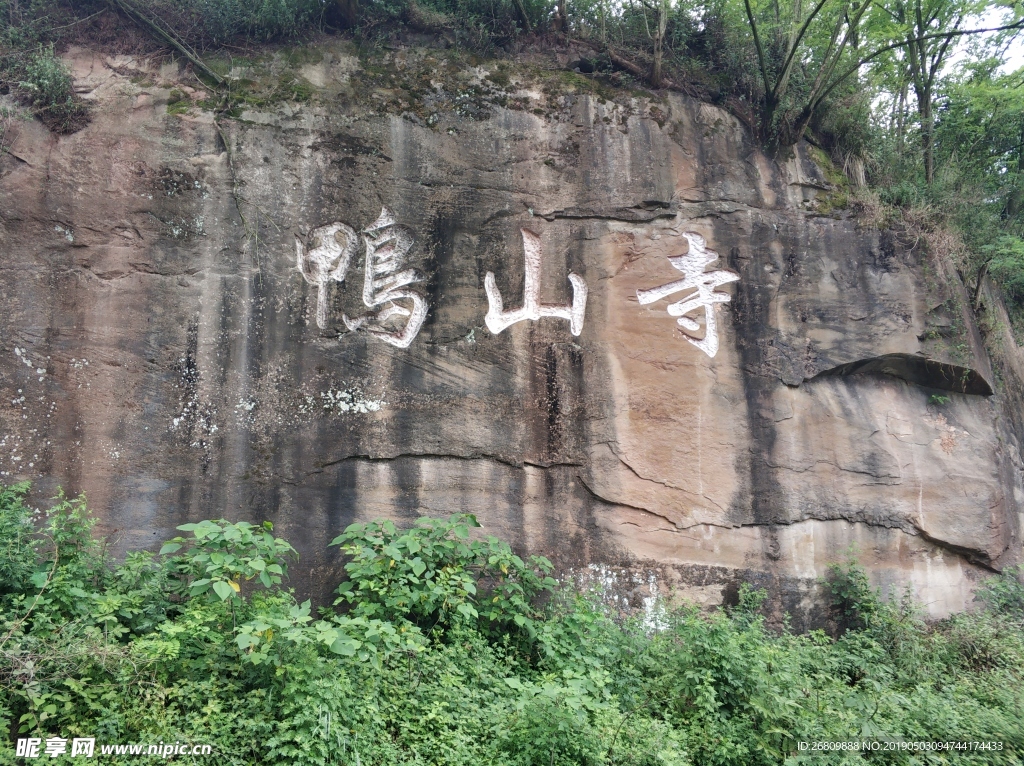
(386, 282)
(692, 265)
(532, 309)
(326, 261)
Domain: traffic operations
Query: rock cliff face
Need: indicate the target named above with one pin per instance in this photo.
(287, 313)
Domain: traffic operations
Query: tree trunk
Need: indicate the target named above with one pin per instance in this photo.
(347, 13)
(168, 36)
(656, 67)
(854, 169)
(924, 107)
(659, 44)
(902, 115)
(523, 17)
(770, 136)
(562, 22)
(982, 272)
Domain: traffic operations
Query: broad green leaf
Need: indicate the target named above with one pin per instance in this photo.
(223, 590)
(345, 646)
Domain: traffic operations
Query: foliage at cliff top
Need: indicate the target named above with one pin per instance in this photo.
(447, 648)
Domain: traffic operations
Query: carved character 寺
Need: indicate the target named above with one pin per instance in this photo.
(692, 265)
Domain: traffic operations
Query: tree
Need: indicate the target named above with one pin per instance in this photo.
(787, 41)
(928, 29)
(659, 43)
(803, 58)
(979, 138)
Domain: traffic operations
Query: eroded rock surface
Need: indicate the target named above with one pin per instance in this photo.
(160, 348)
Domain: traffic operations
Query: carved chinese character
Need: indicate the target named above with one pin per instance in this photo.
(692, 265)
(497, 320)
(326, 261)
(386, 282)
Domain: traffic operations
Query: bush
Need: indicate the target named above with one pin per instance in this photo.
(48, 88)
(435, 577)
(211, 22)
(152, 649)
(852, 596)
(1005, 594)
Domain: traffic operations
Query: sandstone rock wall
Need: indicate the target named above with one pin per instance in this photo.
(160, 348)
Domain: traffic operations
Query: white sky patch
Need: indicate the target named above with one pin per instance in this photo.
(1012, 54)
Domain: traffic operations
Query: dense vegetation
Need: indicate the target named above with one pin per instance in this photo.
(445, 649)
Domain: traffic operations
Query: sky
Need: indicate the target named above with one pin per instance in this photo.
(1014, 55)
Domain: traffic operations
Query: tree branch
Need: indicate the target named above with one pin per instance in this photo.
(788, 64)
(168, 36)
(905, 43)
(521, 11)
(760, 50)
(828, 66)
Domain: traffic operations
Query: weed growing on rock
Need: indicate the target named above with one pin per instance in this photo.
(48, 89)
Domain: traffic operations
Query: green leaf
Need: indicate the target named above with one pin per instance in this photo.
(345, 646)
(169, 548)
(223, 590)
(245, 640)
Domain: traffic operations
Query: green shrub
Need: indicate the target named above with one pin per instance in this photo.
(48, 87)
(211, 22)
(1007, 266)
(851, 594)
(152, 649)
(17, 542)
(1004, 594)
(434, 577)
